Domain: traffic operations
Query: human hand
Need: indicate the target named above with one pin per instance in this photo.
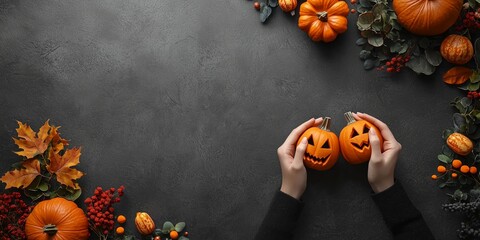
(381, 167)
(294, 174)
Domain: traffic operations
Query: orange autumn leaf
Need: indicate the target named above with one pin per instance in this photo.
(21, 178)
(31, 142)
(58, 143)
(457, 75)
(61, 166)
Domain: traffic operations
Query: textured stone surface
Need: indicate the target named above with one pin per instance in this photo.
(185, 103)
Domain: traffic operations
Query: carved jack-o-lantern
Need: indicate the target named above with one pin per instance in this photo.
(354, 142)
(322, 148)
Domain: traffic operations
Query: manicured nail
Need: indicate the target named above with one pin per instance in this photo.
(372, 132)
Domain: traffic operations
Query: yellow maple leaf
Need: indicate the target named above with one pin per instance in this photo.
(31, 142)
(21, 178)
(61, 166)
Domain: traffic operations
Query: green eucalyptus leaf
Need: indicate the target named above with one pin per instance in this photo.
(265, 12)
(442, 185)
(433, 57)
(168, 226)
(475, 77)
(404, 48)
(444, 158)
(379, 9)
(367, 33)
(73, 196)
(420, 65)
(446, 133)
(459, 122)
(364, 54)
(465, 101)
(34, 195)
(377, 26)
(376, 40)
(365, 3)
(361, 41)
(43, 186)
(473, 86)
(179, 226)
(464, 86)
(396, 47)
(34, 185)
(447, 151)
(472, 3)
(365, 20)
(368, 64)
(273, 3)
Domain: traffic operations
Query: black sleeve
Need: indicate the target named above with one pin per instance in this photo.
(281, 218)
(401, 216)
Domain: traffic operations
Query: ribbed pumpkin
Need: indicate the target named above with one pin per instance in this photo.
(322, 149)
(354, 140)
(456, 49)
(460, 144)
(144, 223)
(323, 20)
(57, 219)
(427, 17)
(288, 6)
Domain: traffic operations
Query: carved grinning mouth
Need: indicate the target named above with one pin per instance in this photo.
(361, 146)
(315, 159)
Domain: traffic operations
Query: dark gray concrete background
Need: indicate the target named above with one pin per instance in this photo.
(185, 103)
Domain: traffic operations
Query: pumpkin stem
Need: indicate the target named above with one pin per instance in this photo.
(50, 229)
(349, 117)
(325, 124)
(322, 16)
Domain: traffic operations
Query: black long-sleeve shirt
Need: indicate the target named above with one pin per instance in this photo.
(401, 216)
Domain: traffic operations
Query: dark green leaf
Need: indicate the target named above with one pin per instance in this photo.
(442, 185)
(43, 186)
(368, 64)
(465, 101)
(364, 54)
(446, 133)
(34, 185)
(462, 180)
(404, 48)
(447, 151)
(34, 195)
(396, 47)
(365, 20)
(473, 86)
(367, 33)
(378, 9)
(444, 158)
(424, 43)
(420, 65)
(477, 52)
(376, 40)
(265, 12)
(273, 3)
(179, 226)
(73, 196)
(433, 57)
(361, 41)
(365, 3)
(459, 122)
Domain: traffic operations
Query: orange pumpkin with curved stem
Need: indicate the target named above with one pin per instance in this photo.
(57, 219)
(322, 149)
(354, 140)
(323, 20)
(427, 17)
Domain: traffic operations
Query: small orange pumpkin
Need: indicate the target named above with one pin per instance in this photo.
(57, 219)
(427, 17)
(456, 49)
(460, 144)
(354, 140)
(322, 149)
(323, 20)
(288, 6)
(144, 223)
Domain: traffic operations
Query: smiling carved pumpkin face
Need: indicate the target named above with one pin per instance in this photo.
(322, 148)
(354, 141)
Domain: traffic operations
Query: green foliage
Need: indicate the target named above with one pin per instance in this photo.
(382, 38)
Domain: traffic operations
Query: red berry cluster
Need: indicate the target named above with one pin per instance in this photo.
(100, 211)
(395, 64)
(13, 215)
(470, 21)
(473, 95)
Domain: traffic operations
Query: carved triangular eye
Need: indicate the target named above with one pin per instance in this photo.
(366, 129)
(310, 141)
(354, 133)
(326, 144)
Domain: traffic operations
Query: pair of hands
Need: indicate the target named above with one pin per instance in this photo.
(380, 168)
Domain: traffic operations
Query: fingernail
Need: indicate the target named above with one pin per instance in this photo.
(372, 132)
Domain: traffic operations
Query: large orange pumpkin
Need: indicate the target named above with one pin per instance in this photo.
(323, 20)
(427, 17)
(57, 219)
(322, 149)
(354, 140)
(456, 49)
